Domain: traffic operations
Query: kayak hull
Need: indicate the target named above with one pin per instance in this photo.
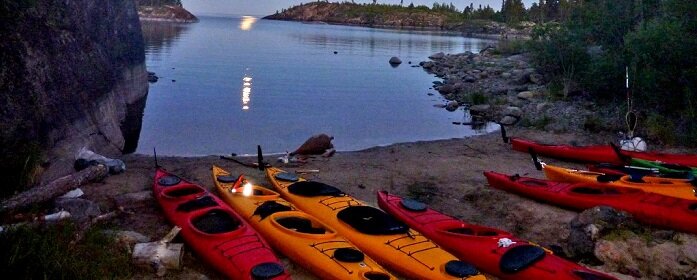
(480, 245)
(650, 208)
(409, 254)
(598, 153)
(218, 235)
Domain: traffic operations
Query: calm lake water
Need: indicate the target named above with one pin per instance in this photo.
(230, 83)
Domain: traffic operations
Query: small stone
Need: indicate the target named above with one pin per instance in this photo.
(505, 75)
(537, 79)
(543, 106)
(479, 109)
(452, 106)
(395, 60)
(335, 52)
(527, 95)
(470, 79)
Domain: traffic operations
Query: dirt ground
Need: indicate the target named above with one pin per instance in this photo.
(445, 173)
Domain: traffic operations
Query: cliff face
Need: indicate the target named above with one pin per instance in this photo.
(70, 69)
(168, 13)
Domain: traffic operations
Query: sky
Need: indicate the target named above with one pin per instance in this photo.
(267, 7)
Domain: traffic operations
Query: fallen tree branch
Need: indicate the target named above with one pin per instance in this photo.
(53, 189)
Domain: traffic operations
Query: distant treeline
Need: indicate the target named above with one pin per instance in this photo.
(157, 3)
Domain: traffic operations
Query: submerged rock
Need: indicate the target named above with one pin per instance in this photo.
(395, 60)
(452, 106)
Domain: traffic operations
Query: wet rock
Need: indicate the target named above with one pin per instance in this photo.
(508, 120)
(446, 89)
(152, 77)
(452, 106)
(81, 210)
(395, 60)
(437, 56)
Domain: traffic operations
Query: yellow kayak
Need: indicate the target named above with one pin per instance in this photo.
(387, 240)
(680, 188)
(299, 236)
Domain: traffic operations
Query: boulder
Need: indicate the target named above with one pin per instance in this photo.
(437, 56)
(592, 224)
(428, 65)
(452, 106)
(395, 60)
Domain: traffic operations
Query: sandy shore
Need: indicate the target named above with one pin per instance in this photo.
(446, 173)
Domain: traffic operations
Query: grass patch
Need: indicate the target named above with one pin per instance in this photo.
(422, 191)
(18, 167)
(477, 97)
(510, 47)
(47, 253)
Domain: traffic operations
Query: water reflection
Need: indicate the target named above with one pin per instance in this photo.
(246, 91)
(247, 22)
(160, 36)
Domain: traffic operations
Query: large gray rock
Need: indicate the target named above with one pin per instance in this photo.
(592, 224)
(527, 95)
(508, 120)
(480, 109)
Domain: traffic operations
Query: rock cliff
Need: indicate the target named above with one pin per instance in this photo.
(71, 69)
(168, 13)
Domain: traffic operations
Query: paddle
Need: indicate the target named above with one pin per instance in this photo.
(535, 160)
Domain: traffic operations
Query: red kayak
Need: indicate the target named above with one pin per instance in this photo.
(214, 231)
(493, 251)
(598, 153)
(663, 211)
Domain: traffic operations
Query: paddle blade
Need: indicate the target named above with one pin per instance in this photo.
(619, 153)
(535, 160)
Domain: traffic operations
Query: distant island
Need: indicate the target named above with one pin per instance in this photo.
(439, 17)
(164, 10)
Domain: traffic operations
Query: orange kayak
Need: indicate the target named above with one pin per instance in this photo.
(302, 238)
(680, 188)
(387, 240)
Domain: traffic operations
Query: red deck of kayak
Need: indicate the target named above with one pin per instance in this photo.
(663, 211)
(598, 153)
(234, 253)
(479, 245)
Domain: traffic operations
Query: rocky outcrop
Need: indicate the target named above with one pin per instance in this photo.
(391, 16)
(166, 13)
(70, 72)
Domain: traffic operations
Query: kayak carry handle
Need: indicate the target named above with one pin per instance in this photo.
(535, 160)
(504, 137)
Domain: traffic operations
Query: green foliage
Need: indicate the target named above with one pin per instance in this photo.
(477, 97)
(511, 47)
(47, 253)
(660, 128)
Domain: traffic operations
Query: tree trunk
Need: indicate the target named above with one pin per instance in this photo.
(53, 189)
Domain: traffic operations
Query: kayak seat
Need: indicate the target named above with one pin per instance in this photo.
(269, 207)
(183, 191)
(606, 178)
(215, 221)
(300, 225)
(520, 257)
(312, 189)
(196, 204)
(372, 221)
(348, 255)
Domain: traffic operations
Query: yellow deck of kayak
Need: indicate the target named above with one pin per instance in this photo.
(411, 255)
(313, 251)
(669, 187)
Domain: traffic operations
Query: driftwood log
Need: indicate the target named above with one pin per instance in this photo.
(160, 255)
(53, 189)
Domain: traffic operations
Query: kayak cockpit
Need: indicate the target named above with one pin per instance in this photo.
(520, 257)
(314, 189)
(215, 221)
(372, 221)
